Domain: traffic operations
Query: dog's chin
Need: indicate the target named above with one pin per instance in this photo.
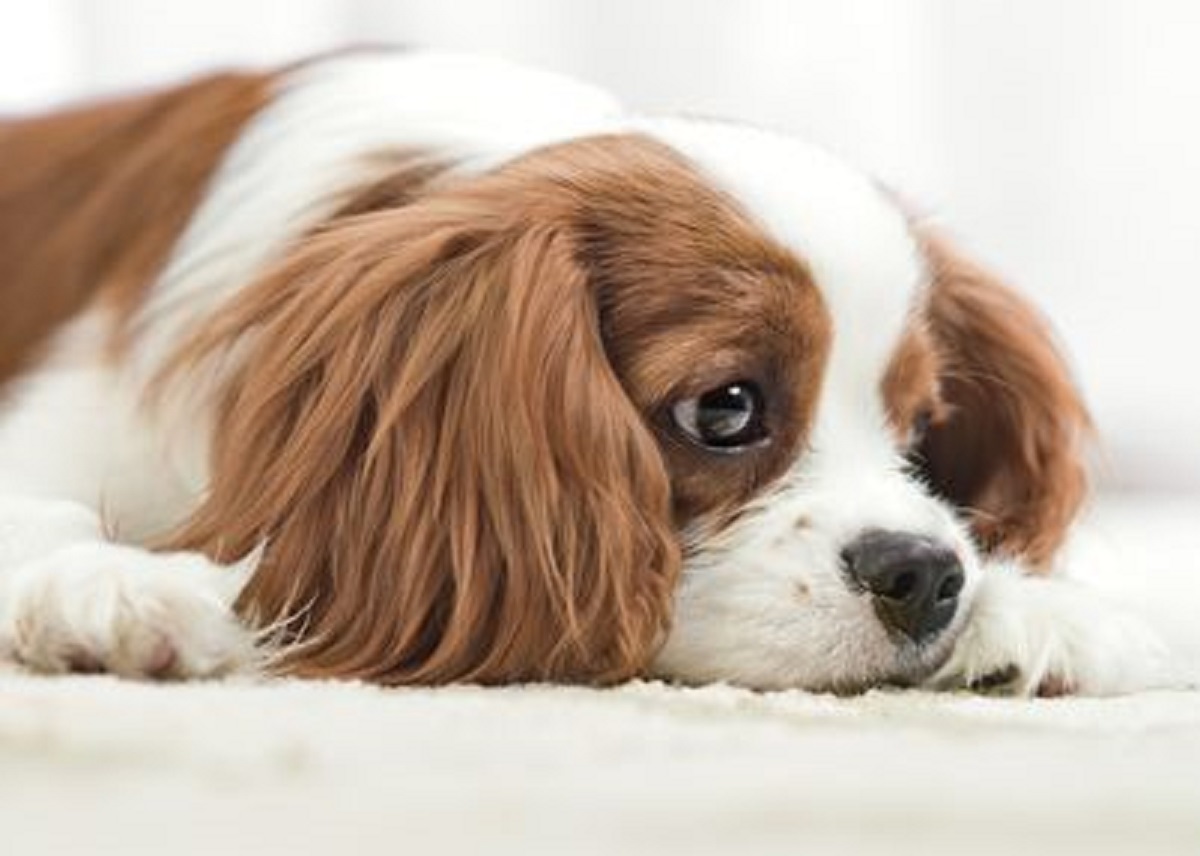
(910, 666)
(903, 664)
(918, 663)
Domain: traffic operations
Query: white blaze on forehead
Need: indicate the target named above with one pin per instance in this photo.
(855, 242)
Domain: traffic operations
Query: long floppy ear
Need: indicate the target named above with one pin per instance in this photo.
(1010, 452)
(448, 479)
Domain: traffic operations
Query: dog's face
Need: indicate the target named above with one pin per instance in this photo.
(695, 400)
(788, 385)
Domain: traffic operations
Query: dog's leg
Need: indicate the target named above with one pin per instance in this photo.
(70, 600)
(1029, 635)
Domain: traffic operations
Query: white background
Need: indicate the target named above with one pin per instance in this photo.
(1060, 137)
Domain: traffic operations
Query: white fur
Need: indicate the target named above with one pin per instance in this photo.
(1052, 633)
(762, 604)
(71, 599)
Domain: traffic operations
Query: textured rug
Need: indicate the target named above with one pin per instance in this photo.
(93, 765)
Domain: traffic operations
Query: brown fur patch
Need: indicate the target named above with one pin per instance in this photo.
(93, 199)
(449, 426)
(911, 390)
(1010, 448)
(692, 296)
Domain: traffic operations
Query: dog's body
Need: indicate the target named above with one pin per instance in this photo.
(441, 369)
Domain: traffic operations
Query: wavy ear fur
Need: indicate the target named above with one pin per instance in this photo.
(1010, 451)
(426, 436)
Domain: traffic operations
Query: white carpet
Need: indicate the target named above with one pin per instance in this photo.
(94, 765)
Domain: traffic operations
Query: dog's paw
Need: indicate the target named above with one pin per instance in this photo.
(1047, 637)
(110, 608)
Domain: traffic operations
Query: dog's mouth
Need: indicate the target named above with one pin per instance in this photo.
(913, 666)
(927, 665)
(922, 663)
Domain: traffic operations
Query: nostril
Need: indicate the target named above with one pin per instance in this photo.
(950, 587)
(899, 587)
(914, 580)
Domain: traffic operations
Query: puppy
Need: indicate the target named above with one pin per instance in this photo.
(420, 368)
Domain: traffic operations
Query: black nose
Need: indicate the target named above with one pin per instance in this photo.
(914, 579)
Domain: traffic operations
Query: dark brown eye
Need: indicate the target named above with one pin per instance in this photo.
(727, 418)
(918, 430)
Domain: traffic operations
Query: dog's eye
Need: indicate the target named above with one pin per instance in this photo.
(918, 429)
(727, 418)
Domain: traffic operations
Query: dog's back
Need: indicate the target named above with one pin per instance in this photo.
(93, 199)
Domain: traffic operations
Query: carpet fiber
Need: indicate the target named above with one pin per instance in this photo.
(95, 765)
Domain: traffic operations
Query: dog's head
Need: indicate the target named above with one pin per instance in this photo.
(692, 399)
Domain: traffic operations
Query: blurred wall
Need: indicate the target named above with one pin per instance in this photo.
(1058, 136)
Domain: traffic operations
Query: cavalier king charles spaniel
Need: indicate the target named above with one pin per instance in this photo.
(419, 368)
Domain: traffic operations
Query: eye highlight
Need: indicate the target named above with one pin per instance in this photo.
(727, 418)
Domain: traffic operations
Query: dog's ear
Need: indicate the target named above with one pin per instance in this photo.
(447, 480)
(1010, 452)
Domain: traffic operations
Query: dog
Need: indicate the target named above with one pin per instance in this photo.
(420, 368)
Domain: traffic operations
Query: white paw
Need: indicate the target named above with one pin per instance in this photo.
(1032, 636)
(106, 607)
